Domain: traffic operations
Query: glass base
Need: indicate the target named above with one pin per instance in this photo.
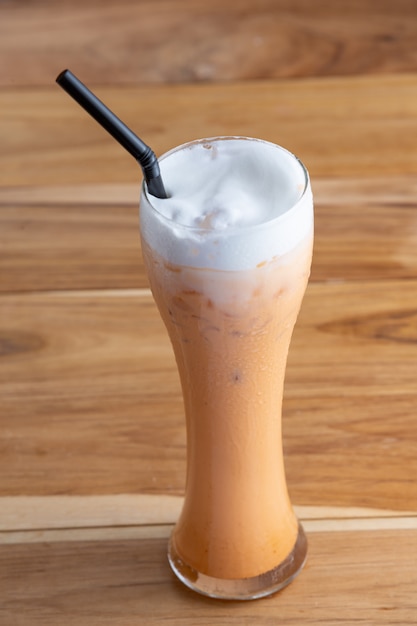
(243, 588)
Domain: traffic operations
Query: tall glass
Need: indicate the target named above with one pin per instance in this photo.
(229, 297)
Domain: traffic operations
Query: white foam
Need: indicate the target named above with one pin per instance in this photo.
(233, 203)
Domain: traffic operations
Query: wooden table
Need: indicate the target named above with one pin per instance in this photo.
(92, 442)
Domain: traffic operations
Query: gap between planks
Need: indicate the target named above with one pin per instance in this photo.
(28, 519)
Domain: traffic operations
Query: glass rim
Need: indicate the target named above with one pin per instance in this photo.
(247, 227)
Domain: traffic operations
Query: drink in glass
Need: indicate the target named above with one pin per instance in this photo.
(228, 257)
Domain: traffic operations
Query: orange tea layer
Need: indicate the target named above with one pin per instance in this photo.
(231, 331)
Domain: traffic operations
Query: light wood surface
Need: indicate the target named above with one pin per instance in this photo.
(166, 41)
(92, 437)
(351, 577)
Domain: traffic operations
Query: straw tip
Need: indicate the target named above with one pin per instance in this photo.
(62, 75)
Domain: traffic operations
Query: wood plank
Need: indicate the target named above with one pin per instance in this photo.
(70, 247)
(58, 512)
(98, 533)
(87, 237)
(46, 513)
(350, 578)
(56, 353)
(131, 42)
(162, 531)
(339, 127)
(91, 401)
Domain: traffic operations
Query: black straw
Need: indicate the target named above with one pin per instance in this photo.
(135, 146)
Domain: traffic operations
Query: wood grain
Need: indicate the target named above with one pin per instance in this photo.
(92, 436)
(70, 246)
(356, 127)
(105, 412)
(350, 578)
(62, 343)
(26, 519)
(85, 238)
(160, 41)
(81, 234)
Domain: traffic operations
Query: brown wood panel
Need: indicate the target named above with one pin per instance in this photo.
(350, 578)
(80, 369)
(161, 41)
(87, 237)
(91, 400)
(33, 519)
(92, 434)
(365, 229)
(70, 247)
(362, 127)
